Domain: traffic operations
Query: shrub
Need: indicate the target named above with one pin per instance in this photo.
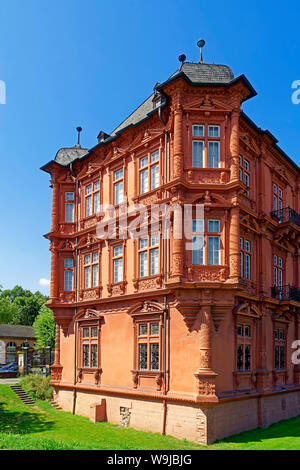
(37, 387)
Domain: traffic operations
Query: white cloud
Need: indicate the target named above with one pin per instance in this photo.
(44, 282)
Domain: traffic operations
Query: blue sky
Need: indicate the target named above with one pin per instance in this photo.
(90, 63)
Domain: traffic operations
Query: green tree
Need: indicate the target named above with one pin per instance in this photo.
(8, 311)
(44, 326)
(19, 306)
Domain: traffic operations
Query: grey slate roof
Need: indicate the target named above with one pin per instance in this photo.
(138, 115)
(67, 155)
(205, 73)
(196, 73)
(17, 331)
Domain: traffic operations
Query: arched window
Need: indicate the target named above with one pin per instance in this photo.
(11, 352)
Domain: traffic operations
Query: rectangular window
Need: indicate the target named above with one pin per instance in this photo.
(279, 348)
(149, 172)
(213, 250)
(86, 355)
(278, 271)
(243, 353)
(87, 277)
(118, 187)
(95, 275)
(94, 355)
(143, 264)
(154, 176)
(213, 131)
(244, 173)
(68, 274)
(143, 356)
(148, 346)
(118, 263)
(154, 261)
(89, 346)
(149, 256)
(213, 154)
(277, 198)
(154, 356)
(88, 206)
(198, 242)
(245, 259)
(213, 226)
(69, 207)
(144, 181)
(200, 239)
(198, 131)
(198, 154)
(69, 215)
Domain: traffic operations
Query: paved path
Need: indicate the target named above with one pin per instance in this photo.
(9, 381)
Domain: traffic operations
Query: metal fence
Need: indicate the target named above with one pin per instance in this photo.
(36, 361)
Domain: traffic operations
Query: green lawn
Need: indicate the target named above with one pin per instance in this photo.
(43, 427)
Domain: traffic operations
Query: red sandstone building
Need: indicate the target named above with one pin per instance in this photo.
(196, 343)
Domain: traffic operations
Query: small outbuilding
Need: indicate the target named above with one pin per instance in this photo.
(12, 340)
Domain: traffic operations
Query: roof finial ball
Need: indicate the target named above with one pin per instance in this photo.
(201, 44)
(78, 129)
(182, 59)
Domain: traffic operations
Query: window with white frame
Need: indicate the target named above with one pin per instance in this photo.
(206, 137)
(277, 197)
(92, 198)
(245, 258)
(213, 242)
(198, 242)
(244, 173)
(68, 274)
(89, 338)
(206, 234)
(280, 334)
(119, 186)
(91, 270)
(149, 172)
(278, 271)
(149, 256)
(69, 206)
(148, 342)
(244, 346)
(118, 263)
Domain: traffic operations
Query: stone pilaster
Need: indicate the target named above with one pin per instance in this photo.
(56, 369)
(177, 245)
(234, 245)
(55, 205)
(234, 145)
(262, 375)
(205, 376)
(54, 271)
(178, 160)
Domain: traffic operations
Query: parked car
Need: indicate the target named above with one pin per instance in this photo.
(11, 367)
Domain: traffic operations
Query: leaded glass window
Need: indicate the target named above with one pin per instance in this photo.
(86, 355)
(94, 355)
(154, 356)
(143, 356)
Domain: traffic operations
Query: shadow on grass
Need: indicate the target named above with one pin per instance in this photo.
(283, 429)
(22, 422)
